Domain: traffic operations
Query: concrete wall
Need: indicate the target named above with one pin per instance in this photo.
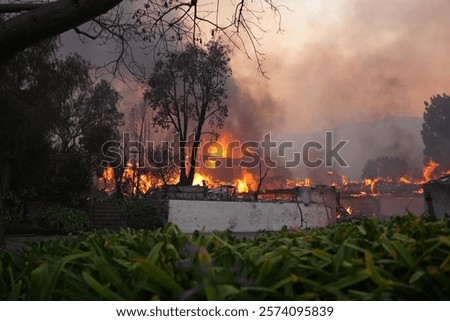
(384, 205)
(392, 205)
(245, 217)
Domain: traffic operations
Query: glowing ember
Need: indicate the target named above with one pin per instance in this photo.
(349, 210)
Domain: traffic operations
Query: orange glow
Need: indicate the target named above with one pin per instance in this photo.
(199, 178)
(349, 210)
(405, 180)
(428, 170)
(245, 184)
(345, 180)
(107, 179)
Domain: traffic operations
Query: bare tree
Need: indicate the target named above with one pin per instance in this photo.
(152, 26)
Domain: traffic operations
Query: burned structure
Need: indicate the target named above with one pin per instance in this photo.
(437, 196)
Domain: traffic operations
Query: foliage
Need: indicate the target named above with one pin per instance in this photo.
(436, 130)
(68, 176)
(54, 122)
(144, 213)
(406, 258)
(84, 110)
(14, 208)
(187, 90)
(59, 218)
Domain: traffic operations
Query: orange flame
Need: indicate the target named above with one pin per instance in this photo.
(245, 184)
(428, 170)
(200, 178)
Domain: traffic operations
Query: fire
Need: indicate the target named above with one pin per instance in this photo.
(429, 169)
(349, 210)
(405, 180)
(108, 179)
(145, 183)
(245, 184)
(345, 180)
(200, 178)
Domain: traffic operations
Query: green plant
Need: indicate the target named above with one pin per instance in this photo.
(406, 258)
(64, 219)
(14, 209)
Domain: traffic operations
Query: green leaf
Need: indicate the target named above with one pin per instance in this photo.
(104, 291)
(159, 277)
(403, 253)
(416, 276)
(349, 280)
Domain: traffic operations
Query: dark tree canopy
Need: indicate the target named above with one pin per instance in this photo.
(54, 121)
(436, 131)
(187, 90)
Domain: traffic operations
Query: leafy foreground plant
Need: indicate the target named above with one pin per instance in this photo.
(407, 258)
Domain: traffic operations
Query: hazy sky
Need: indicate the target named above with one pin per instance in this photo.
(345, 61)
(342, 61)
(337, 63)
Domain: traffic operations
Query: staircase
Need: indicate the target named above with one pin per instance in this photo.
(107, 216)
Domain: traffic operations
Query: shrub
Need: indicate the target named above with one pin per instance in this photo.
(63, 219)
(14, 209)
(144, 213)
(404, 259)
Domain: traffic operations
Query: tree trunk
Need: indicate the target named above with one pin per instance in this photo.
(2, 223)
(4, 186)
(193, 162)
(183, 176)
(46, 21)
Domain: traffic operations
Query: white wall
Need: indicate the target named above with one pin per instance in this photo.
(247, 216)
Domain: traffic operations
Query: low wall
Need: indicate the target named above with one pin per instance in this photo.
(243, 217)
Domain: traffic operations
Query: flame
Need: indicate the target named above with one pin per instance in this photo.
(345, 180)
(107, 179)
(349, 210)
(200, 178)
(245, 184)
(429, 169)
(405, 180)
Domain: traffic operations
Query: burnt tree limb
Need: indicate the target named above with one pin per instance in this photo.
(46, 21)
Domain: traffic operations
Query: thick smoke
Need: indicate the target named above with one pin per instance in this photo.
(363, 70)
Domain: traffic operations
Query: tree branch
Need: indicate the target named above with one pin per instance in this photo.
(18, 7)
(46, 21)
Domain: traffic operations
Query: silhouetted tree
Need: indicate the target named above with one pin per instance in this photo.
(436, 131)
(152, 25)
(186, 91)
(162, 164)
